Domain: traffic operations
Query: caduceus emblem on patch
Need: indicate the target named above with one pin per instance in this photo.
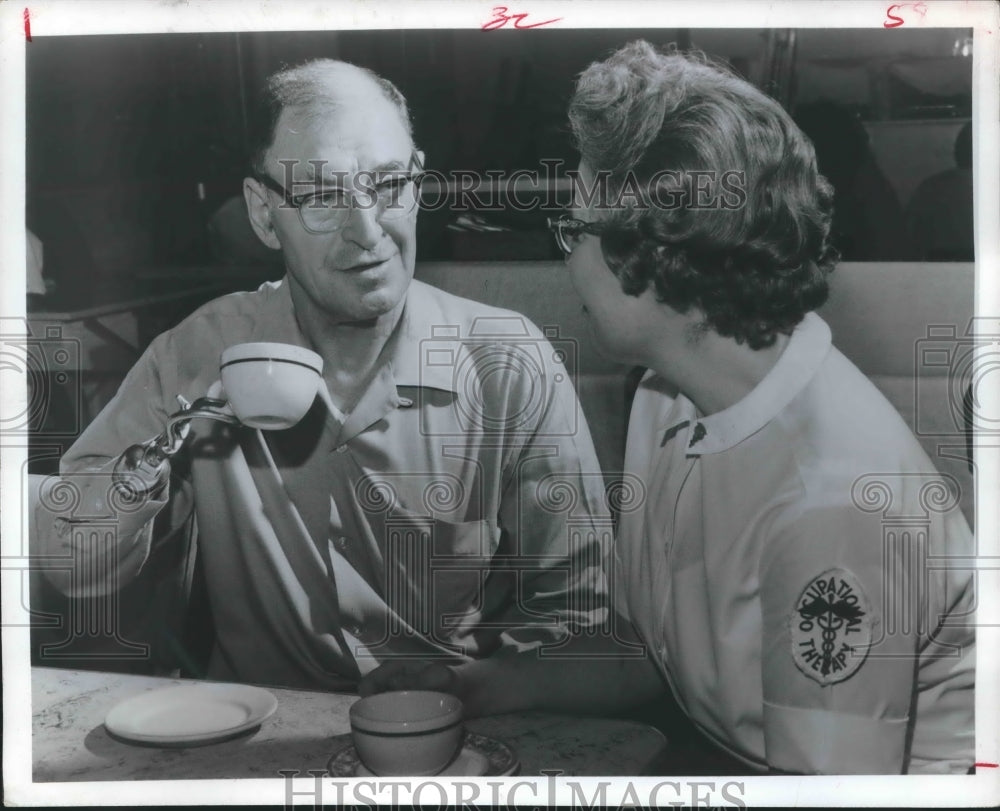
(831, 627)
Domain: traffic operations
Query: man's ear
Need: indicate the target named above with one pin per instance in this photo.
(259, 212)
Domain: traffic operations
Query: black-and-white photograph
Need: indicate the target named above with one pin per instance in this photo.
(511, 401)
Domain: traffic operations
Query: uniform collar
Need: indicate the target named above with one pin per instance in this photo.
(795, 368)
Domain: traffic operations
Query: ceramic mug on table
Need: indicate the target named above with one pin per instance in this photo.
(407, 732)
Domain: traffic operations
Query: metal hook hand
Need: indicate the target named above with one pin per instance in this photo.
(205, 407)
(144, 467)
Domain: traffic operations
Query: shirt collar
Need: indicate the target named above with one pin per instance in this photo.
(430, 350)
(795, 368)
(279, 324)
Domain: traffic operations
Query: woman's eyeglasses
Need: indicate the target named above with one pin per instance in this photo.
(567, 231)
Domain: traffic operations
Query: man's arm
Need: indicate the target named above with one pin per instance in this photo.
(91, 535)
(595, 675)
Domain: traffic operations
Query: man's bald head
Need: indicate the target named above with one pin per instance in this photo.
(316, 89)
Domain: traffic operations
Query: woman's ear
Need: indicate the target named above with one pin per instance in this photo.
(259, 212)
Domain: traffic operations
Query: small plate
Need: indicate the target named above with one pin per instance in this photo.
(190, 714)
(480, 757)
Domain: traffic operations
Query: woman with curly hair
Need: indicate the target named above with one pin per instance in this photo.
(794, 626)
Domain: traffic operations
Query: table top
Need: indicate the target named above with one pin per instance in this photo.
(70, 743)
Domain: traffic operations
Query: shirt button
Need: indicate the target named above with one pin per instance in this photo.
(341, 542)
(356, 631)
(342, 449)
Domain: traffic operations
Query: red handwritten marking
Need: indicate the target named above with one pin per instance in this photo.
(896, 20)
(502, 18)
(986, 765)
(27, 25)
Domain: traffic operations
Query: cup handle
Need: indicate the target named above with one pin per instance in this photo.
(216, 392)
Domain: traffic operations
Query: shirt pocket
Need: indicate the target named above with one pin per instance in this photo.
(436, 571)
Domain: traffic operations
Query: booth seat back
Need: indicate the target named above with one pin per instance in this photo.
(909, 327)
(905, 325)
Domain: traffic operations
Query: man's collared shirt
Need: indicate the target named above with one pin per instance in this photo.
(459, 506)
(790, 572)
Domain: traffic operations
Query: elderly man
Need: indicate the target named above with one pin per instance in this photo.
(404, 515)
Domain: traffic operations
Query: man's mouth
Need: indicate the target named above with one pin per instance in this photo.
(360, 267)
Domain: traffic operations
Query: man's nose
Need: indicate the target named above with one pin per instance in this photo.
(363, 227)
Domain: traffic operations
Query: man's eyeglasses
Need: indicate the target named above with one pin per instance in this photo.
(392, 193)
(567, 231)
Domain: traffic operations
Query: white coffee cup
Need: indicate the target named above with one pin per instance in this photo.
(271, 385)
(407, 732)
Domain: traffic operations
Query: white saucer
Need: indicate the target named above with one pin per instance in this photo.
(480, 757)
(190, 714)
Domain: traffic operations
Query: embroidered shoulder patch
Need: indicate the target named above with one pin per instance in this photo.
(831, 627)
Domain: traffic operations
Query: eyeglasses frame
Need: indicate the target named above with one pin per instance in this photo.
(298, 201)
(557, 226)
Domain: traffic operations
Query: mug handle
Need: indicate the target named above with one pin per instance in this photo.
(216, 392)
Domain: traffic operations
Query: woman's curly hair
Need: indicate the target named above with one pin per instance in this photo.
(655, 125)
